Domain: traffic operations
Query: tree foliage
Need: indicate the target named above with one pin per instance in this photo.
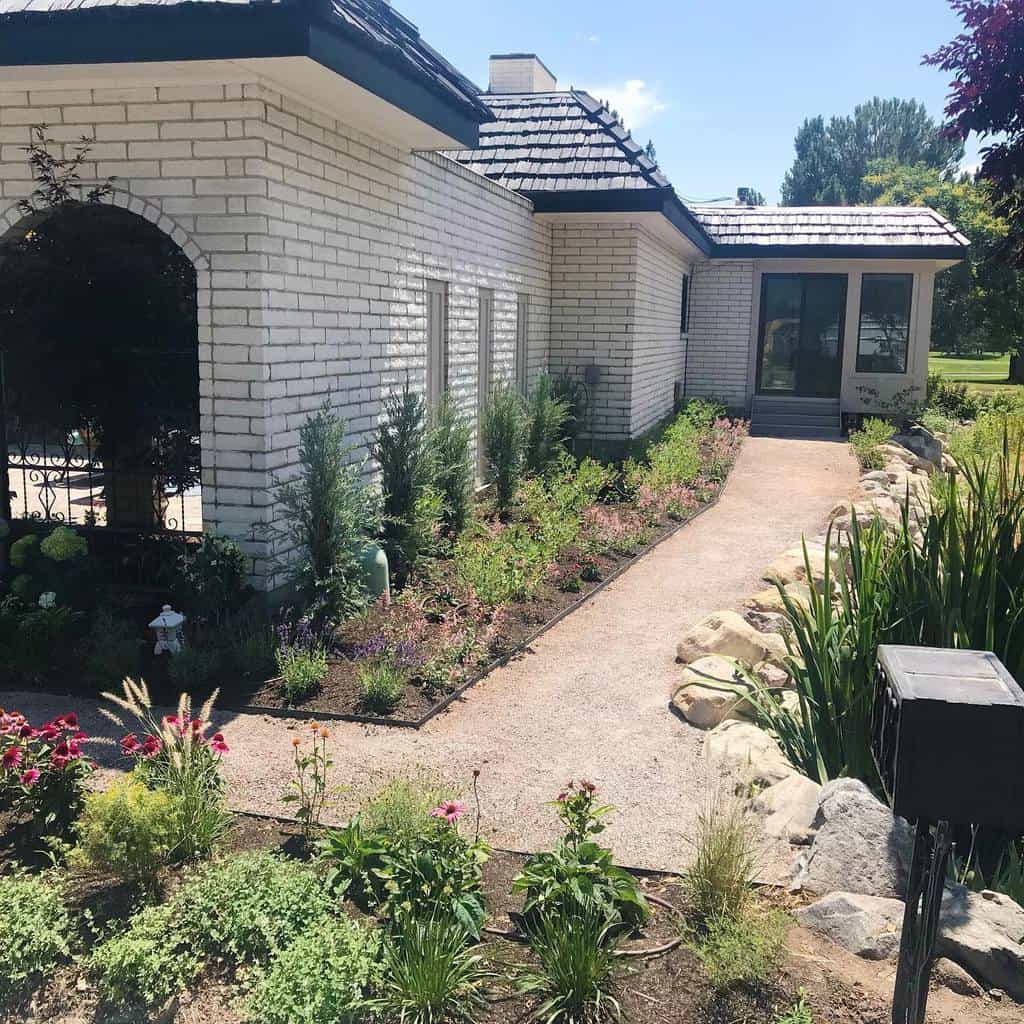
(979, 303)
(987, 61)
(832, 158)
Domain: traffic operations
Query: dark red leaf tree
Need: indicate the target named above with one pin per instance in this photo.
(987, 97)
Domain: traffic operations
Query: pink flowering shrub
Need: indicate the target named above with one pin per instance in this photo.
(621, 530)
(43, 770)
(173, 753)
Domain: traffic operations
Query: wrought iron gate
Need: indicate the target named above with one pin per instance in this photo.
(139, 503)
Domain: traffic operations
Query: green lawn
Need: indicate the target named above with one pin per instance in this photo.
(989, 369)
(988, 375)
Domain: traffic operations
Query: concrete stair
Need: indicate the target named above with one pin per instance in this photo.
(812, 418)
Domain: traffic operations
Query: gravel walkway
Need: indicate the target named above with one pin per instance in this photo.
(591, 698)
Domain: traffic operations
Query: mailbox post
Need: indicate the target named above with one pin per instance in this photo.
(947, 732)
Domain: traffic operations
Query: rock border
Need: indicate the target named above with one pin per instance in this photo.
(851, 853)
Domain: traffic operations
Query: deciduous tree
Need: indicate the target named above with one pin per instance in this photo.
(832, 158)
(987, 97)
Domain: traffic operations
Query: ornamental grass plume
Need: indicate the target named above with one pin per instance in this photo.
(175, 756)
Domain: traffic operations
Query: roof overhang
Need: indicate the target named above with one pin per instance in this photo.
(145, 34)
(947, 254)
(641, 200)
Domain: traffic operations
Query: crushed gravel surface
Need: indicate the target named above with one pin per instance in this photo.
(590, 699)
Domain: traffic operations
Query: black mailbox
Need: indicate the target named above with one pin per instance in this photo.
(948, 736)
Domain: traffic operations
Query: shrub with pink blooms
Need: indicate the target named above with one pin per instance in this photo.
(178, 754)
(43, 769)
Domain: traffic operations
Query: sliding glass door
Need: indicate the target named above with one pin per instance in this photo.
(800, 346)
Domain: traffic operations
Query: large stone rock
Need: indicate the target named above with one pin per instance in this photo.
(707, 695)
(747, 751)
(984, 932)
(868, 926)
(730, 635)
(858, 845)
(791, 567)
(788, 808)
(770, 599)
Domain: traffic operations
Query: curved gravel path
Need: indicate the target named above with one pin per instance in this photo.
(590, 699)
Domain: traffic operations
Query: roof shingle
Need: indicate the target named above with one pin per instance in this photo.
(870, 226)
(546, 142)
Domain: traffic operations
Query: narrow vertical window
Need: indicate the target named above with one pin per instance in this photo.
(484, 357)
(523, 343)
(684, 307)
(437, 341)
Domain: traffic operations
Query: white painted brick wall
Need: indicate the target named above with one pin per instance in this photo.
(721, 299)
(593, 296)
(312, 244)
(659, 349)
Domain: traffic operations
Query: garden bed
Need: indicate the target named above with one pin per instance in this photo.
(672, 986)
(339, 697)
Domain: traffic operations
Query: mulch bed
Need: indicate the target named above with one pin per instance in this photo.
(522, 623)
(670, 988)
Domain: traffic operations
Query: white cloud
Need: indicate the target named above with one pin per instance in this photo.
(636, 101)
(593, 39)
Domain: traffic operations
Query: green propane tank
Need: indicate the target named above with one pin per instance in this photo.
(374, 563)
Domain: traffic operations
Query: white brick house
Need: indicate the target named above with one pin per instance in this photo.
(357, 211)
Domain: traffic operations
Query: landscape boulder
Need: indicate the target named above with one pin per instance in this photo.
(788, 808)
(947, 974)
(748, 751)
(791, 567)
(729, 635)
(707, 695)
(984, 932)
(868, 926)
(770, 600)
(858, 845)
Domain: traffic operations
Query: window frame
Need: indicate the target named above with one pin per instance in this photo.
(522, 352)
(910, 278)
(484, 363)
(437, 342)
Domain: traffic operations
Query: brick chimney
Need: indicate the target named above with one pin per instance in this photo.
(520, 72)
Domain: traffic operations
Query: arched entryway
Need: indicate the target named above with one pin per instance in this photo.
(99, 400)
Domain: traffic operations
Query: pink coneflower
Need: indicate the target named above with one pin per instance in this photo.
(563, 796)
(60, 761)
(130, 744)
(217, 743)
(49, 732)
(450, 810)
(68, 721)
(30, 777)
(12, 758)
(26, 732)
(587, 787)
(151, 746)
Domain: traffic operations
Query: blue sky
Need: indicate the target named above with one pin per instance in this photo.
(720, 87)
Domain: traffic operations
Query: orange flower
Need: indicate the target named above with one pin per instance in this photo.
(324, 734)
(296, 741)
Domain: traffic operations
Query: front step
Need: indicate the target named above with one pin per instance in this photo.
(811, 418)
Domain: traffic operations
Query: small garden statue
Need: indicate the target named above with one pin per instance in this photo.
(168, 626)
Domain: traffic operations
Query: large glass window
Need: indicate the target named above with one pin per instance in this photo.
(884, 335)
(801, 340)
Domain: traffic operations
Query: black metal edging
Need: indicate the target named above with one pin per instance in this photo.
(499, 662)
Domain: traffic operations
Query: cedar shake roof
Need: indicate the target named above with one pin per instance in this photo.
(558, 141)
(899, 228)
